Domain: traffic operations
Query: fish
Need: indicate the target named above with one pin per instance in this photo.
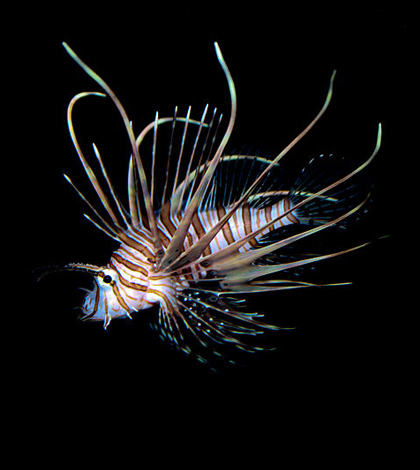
(203, 228)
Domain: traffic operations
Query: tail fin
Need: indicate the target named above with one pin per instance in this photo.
(319, 173)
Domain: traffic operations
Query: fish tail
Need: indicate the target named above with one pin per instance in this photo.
(323, 171)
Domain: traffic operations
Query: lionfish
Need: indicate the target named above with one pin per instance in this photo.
(216, 232)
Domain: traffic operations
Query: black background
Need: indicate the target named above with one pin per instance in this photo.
(344, 357)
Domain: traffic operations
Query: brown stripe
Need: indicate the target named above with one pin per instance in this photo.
(166, 220)
(136, 246)
(246, 214)
(140, 233)
(187, 273)
(125, 283)
(289, 216)
(227, 233)
(237, 220)
(198, 226)
(165, 239)
(128, 264)
(253, 242)
(131, 285)
(267, 214)
(199, 230)
(156, 292)
(164, 298)
(97, 296)
(119, 298)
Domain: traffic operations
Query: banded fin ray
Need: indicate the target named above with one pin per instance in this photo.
(176, 243)
(194, 252)
(211, 230)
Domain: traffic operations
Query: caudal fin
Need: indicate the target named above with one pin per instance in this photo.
(320, 172)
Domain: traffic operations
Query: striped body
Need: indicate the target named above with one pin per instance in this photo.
(243, 222)
(138, 287)
(214, 232)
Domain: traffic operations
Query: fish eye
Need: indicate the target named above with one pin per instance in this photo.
(107, 279)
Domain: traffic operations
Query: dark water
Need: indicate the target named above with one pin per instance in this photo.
(347, 345)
